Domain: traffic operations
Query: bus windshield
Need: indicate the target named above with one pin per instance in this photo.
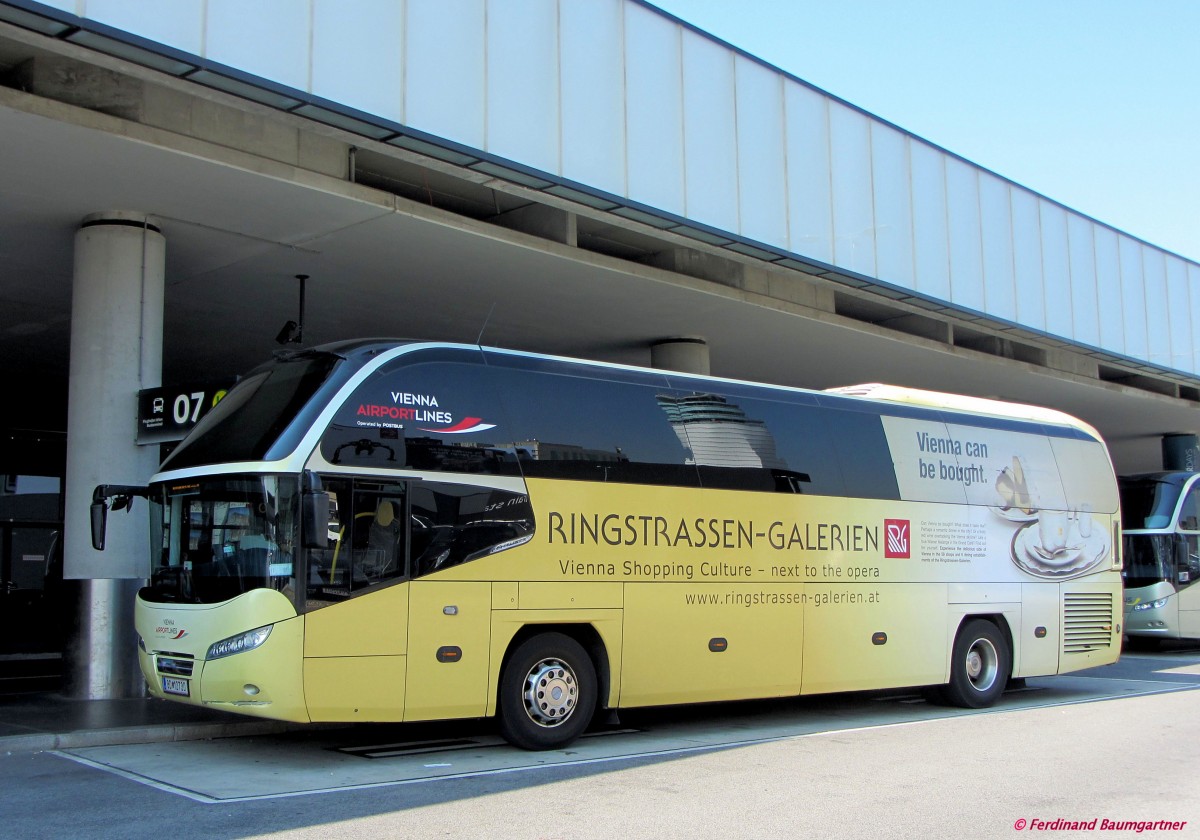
(1147, 503)
(1148, 558)
(213, 539)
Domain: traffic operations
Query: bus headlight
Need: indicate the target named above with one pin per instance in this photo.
(1151, 605)
(241, 642)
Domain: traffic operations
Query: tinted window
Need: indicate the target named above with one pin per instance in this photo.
(1147, 503)
(453, 524)
(749, 438)
(746, 443)
(423, 416)
(546, 419)
(613, 428)
(254, 414)
(863, 455)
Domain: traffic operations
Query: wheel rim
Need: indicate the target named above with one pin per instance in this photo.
(983, 664)
(551, 692)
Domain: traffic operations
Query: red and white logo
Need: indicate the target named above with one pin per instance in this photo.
(896, 542)
(464, 427)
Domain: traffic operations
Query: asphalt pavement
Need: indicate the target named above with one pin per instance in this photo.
(1110, 752)
(49, 720)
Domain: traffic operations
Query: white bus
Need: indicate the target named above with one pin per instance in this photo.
(402, 531)
(1161, 519)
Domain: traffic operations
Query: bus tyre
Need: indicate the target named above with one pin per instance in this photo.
(547, 693)
(980, 666)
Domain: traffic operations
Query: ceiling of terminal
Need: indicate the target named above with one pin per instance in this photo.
(238, 232)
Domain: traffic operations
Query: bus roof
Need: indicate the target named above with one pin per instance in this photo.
(958, 402)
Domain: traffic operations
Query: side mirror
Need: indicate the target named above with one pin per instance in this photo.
(122, 499)
(314, 513)
(99, 524)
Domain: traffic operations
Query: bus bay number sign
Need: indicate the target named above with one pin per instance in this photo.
(167, 414)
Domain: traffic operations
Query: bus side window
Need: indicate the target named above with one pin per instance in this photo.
(452, 524)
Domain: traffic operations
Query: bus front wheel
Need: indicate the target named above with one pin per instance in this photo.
(547, 693)
(980, 666)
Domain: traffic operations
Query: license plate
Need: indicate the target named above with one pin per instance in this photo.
(172, 685)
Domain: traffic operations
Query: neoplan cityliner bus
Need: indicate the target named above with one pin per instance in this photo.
(403, 531)
(1161, 513)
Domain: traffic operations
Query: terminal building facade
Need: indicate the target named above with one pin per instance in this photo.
(594, 178)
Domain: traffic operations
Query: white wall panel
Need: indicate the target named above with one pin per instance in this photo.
(237, 32)
(931, 236)
(966, 248)
(178, 24)
(853, 213)
(1081, 248)
(522, 82)
(615, 95)
(444, 69)
(1027, 259)
(995, 222)
(1133, 298)
(1056, 268)
(709, 132)
(1108, 290)
(892, 193)
(1158, 321)
(761, 162)
(653, 109)
(356, 65)
(810, 205)
(1179, 313)
(592, 98)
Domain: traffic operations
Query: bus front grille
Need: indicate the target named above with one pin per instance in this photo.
(1087, 621)
(176, 667)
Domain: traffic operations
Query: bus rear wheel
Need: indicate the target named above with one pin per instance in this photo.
(980, 666)
(547, 693)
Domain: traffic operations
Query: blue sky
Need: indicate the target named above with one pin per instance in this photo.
(1093, 103)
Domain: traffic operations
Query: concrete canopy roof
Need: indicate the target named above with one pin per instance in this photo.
(240, 227)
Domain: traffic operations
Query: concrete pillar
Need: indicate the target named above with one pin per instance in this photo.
(686, 355)
(116, 350)
(1181, 452)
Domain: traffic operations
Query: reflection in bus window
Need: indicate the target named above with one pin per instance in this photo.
(453, 524)
(606, 429)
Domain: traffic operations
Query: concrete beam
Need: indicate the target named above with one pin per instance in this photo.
(699, 264)
(542, 221)
(82, 85)
(921, 326)
(1071, 362)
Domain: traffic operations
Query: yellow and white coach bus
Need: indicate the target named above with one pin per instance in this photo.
(403, 531)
